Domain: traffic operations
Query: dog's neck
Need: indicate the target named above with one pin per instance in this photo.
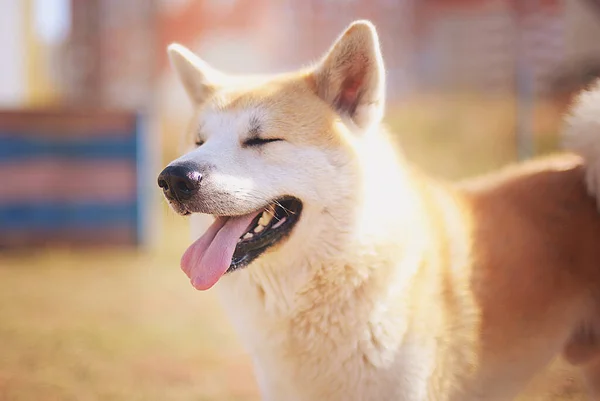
(327, 302)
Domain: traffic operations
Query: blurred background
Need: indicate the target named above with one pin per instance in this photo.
(93, 305)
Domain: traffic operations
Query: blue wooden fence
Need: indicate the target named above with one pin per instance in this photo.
(72, 177)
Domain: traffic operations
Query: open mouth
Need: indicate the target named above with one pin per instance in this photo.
(233, 242)
(268, 228)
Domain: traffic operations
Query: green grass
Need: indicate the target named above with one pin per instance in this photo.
(126, 326)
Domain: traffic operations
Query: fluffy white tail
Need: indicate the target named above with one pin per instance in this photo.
(582, 135)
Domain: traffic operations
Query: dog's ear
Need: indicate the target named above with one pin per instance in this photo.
(199, 79)
(351, 76)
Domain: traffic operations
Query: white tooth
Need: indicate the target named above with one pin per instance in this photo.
(247, 236)
(279, 223)
(265, 219)
(258, 228)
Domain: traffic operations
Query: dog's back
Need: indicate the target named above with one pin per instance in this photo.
(535, 267)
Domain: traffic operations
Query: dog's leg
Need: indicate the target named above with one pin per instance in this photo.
(583, 350)
(591, 374)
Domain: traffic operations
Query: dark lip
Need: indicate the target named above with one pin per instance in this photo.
(179, 207)
(246, 252)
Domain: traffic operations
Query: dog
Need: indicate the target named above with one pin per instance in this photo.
(350, 274)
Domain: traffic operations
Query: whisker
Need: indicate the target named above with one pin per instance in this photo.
(287, 211)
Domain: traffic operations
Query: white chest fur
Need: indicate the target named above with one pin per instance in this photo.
(326, 351)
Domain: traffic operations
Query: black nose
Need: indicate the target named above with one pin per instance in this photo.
(179, 182)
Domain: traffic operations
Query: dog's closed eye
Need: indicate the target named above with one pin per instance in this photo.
(256, 141)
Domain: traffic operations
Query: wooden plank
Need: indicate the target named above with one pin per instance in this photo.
(69, 123)
(118, 235)
(34, 215)
(55, 180)
(14, 147)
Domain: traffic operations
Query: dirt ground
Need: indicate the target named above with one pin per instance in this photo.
(114, 325)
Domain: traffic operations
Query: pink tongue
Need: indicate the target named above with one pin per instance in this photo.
(209, 257)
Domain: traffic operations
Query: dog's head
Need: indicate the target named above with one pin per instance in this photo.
(269, 154)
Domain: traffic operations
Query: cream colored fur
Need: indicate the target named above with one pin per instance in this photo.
(582, 135)
(393, 285)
